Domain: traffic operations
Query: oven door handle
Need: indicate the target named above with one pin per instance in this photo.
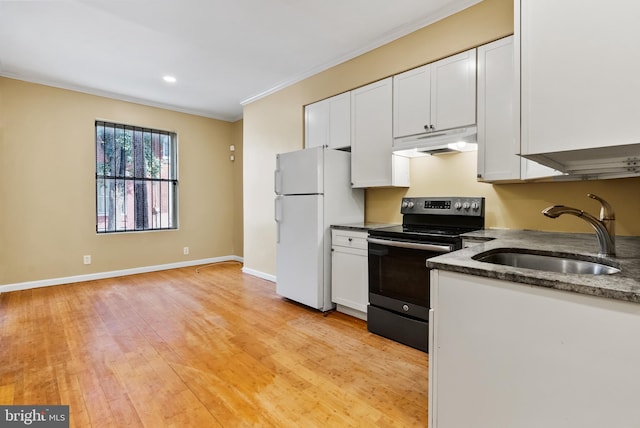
(412, 245)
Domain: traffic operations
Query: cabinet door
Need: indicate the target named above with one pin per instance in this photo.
(498, 118)
(316, 124)
(349, 272)
(339, 133)
(580, 74)
(371, 134)
(412, 102)
(498, 133)
(328, 122)
(350, 279)
(453, 91)
(514, 355)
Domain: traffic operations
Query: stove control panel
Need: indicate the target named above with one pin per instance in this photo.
(467, 206)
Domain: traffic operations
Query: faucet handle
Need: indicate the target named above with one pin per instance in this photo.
(606, 211)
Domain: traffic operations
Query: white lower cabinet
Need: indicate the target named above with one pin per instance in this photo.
(504, 354)
(349, 272)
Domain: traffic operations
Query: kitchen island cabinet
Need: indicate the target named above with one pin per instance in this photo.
(516, 347)
(505, 354)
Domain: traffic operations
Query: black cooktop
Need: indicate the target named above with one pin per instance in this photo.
(441, 219)
(403, 229)
(408, 233)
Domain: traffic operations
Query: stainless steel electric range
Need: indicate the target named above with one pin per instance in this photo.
(398, 277)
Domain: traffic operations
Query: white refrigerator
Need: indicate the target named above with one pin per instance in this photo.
(313, 191)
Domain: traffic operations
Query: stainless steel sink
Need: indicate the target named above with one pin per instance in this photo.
(550, 262)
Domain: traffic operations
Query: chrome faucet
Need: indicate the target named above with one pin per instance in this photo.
(604, 226)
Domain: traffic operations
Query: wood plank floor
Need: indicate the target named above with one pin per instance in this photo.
(207, 348)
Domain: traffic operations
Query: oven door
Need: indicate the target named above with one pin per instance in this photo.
(398, 276)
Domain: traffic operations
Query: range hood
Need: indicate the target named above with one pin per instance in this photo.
(437, 142)
(596, 163)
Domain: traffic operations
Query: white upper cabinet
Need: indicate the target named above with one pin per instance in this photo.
(453, 91)
(580, 80)
(436, 96)
(412, 101)
(498, 142)
(316, 124)
(499, 118)
(372, 163)
(328, 122)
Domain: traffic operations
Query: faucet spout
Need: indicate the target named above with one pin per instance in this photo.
(604, 226)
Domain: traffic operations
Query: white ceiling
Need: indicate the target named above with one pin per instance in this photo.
(223, 53)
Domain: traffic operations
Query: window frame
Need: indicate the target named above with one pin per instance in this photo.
(146, 183)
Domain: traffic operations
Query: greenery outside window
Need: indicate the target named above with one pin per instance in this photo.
(136, 178)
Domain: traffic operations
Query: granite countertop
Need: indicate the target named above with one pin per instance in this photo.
(362, 226)
(624, 285)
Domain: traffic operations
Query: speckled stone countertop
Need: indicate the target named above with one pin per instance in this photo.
(624, 285)
(363, 227)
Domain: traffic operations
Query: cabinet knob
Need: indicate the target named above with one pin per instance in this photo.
(350, 239)
(426, 127)
(432, 127)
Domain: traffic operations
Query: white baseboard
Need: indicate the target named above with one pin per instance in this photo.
(259, 274)
(112, 274)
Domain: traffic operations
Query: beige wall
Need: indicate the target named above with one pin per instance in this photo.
(47, 181)
(274, 124)
(514, 206)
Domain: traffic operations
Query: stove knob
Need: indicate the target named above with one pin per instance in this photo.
(411, 204)
(405, 204)
(458, 206)
(466, 206)
(405, 308)
(475, 206)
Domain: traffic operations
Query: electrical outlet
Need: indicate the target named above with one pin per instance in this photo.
(185, 250)
(86, 260)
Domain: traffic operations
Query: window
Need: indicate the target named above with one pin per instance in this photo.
(136, 178)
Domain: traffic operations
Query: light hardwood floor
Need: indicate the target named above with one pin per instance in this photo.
(214, 348)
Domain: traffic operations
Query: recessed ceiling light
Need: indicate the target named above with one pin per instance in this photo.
(169, 79)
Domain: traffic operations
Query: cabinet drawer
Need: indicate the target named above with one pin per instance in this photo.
(341, 238)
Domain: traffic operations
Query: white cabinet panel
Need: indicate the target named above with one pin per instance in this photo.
(316, 124)
(436, 96)
(372, 164)
(580, 71)
(499, 118)
(340, 121)
(328, 122)
(498, 139)
(513, 355)
(412, 101)
(453, 91)
(349, 272)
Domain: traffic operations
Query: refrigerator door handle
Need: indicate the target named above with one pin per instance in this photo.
(277, 215)
(277, 182)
